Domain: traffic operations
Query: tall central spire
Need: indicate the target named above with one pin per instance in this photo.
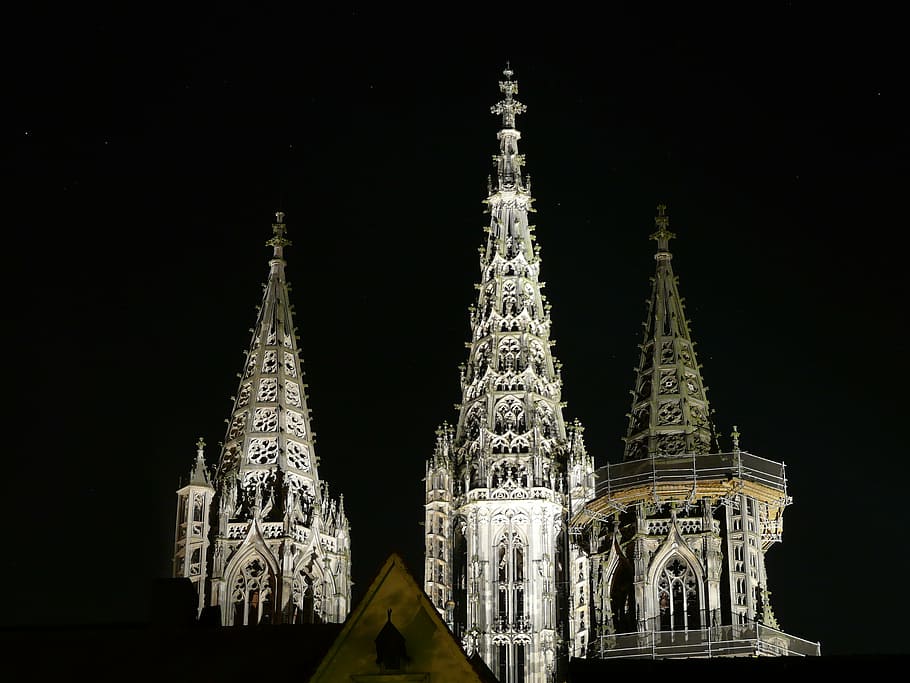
(499, 487)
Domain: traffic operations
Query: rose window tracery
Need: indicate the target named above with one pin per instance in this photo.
(243, 398)
(263, 451)
(671, 444)
(238, 425)
(292, 393)
(250, 364)
(270, 361)
(298, 455)
(299, 486)
(668, 382)
(265, 420)
(686, 355)
(670, 413)
(295, 423)
(268, 389)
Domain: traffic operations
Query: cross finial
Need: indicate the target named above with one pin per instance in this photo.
(509, 108)
(200, 444)
(662, 234)
(279, 233)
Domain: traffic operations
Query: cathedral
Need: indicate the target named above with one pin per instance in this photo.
(534, 557)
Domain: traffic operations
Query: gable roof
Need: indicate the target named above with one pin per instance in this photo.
(431, 647)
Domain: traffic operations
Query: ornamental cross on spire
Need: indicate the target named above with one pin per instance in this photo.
(279, 229)
(508, 107)
(663, 234)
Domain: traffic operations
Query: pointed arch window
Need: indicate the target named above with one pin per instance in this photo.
(511, 571)
(252, 593)
(677, 596)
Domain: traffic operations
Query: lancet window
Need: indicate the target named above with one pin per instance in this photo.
(677, 596)
(307, 594)
(252, 593)
(510, 581)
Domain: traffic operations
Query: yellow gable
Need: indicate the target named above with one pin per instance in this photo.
(432, 653)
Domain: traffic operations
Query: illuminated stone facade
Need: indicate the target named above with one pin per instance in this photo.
(532, 555)
(262, 539)
(500, 483)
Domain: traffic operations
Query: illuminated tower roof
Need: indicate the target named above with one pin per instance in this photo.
(670, 412)
(269, 442)
(500, 486)
(280, 544)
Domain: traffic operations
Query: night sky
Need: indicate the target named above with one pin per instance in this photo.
(145, 154)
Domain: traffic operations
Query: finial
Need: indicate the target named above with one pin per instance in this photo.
(508, 107)
(735, 436)
(662, 234)
(279, 232)
(200, 444)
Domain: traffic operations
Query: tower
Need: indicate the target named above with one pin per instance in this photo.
(191, 535)
(500, 484)
(276, 545)
(676, 534)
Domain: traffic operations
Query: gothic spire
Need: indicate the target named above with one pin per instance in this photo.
(670, 412)
(199, 476)
(268, 450)
(511, 383)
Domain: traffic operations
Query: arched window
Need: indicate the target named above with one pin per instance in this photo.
(677, 595)
(511, 571)
(252, 593)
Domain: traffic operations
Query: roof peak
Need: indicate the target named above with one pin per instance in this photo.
(279, 238)
(662, 235)
(508, 107)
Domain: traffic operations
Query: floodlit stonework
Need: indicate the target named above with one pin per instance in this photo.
(261, 538)
(532, 555)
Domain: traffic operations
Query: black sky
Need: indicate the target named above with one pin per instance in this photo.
(145, 154)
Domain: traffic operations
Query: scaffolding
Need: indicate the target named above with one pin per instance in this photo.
(684, 479)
